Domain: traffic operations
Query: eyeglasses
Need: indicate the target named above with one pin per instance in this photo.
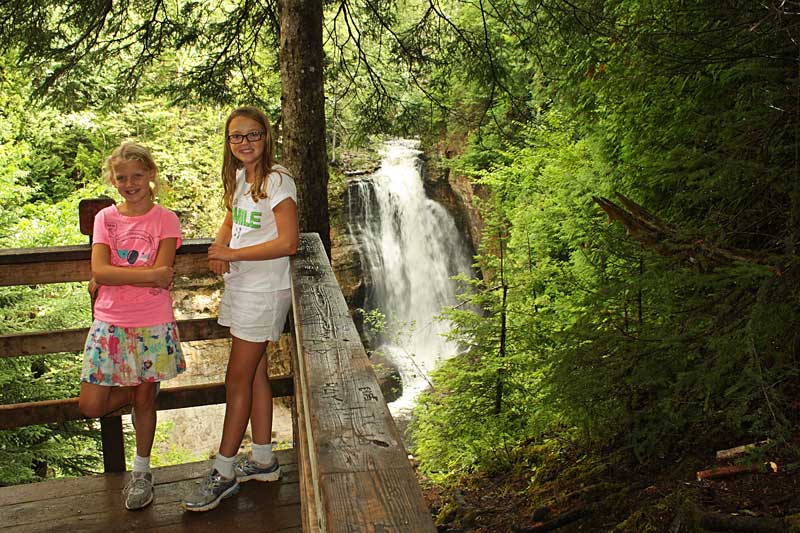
(253, 136)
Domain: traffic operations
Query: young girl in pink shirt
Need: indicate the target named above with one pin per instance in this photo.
(133, 343)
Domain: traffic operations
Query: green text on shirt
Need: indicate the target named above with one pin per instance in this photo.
(243, 217)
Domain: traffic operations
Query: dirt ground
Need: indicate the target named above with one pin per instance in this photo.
(605, 492)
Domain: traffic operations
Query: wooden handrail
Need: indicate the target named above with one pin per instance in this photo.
(59, 264)
(354, 469)
(59, 411)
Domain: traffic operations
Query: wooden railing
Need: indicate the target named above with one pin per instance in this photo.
(354, 470)
(71, 263)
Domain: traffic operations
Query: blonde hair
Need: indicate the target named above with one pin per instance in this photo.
(230, 164)
(129, 151)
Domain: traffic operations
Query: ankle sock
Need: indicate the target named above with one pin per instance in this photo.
(224, 465)
(262, 453)
(141, 464)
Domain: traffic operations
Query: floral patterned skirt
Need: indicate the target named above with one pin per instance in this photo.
(122, 356)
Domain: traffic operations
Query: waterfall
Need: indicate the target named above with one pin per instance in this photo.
(409, 247)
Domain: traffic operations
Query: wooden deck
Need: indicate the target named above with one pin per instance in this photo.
(349, 467)
(95, 504)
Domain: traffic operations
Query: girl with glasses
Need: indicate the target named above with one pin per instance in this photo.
(251, 251)
(133, 343)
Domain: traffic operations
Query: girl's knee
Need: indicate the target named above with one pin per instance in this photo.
(144, 397)
(235, 380)
(91, 407)
(238, 375)
(93, 400)
(144, 404)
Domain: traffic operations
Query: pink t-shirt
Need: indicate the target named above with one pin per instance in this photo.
(134, 242)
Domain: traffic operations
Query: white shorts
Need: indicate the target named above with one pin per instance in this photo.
(255, 316)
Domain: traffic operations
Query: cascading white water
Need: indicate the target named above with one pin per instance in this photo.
(410, 248)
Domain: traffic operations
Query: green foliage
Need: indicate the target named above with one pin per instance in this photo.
(186, 143)
(575, 329)
(30, 453)
(165, 452)
(380, 328)
(629, 347)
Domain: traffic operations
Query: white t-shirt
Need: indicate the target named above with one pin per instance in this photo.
(254, 223)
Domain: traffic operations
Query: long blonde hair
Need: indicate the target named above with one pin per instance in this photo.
(130, 151)
(230, 164)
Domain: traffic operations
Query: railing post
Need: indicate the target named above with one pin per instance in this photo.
(110, 426)
(113, 444)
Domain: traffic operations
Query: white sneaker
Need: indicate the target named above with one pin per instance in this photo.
(138, 491)
(247, 469)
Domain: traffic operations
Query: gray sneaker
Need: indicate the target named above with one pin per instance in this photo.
(138, 491)
(247, 469)
(213, 488)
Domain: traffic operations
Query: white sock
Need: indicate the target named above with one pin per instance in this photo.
(224, 465)
(141, 464)
(262, 453)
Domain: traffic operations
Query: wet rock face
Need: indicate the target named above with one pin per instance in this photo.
(458, 195)
(350, 274)
(388, 376)
(346, 262)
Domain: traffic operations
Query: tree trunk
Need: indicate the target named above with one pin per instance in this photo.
(498, 389)
(303, 111)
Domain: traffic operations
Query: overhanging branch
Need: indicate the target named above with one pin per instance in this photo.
(665, 239)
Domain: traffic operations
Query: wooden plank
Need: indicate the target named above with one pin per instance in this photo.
(67, 510)
(191, 264)
(45, 254)
(72, 340)
(364, 481)
(80, 270)
(87, 211)
(309, 486)
(36, 273)
(79, 252)
(65, 340)
(383, 497)
(59, 264)
(95, 503)
(199, 329)
(50, 411)
(35, 492)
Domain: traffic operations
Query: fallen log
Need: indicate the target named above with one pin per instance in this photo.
(727, 471)
(736, 451)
